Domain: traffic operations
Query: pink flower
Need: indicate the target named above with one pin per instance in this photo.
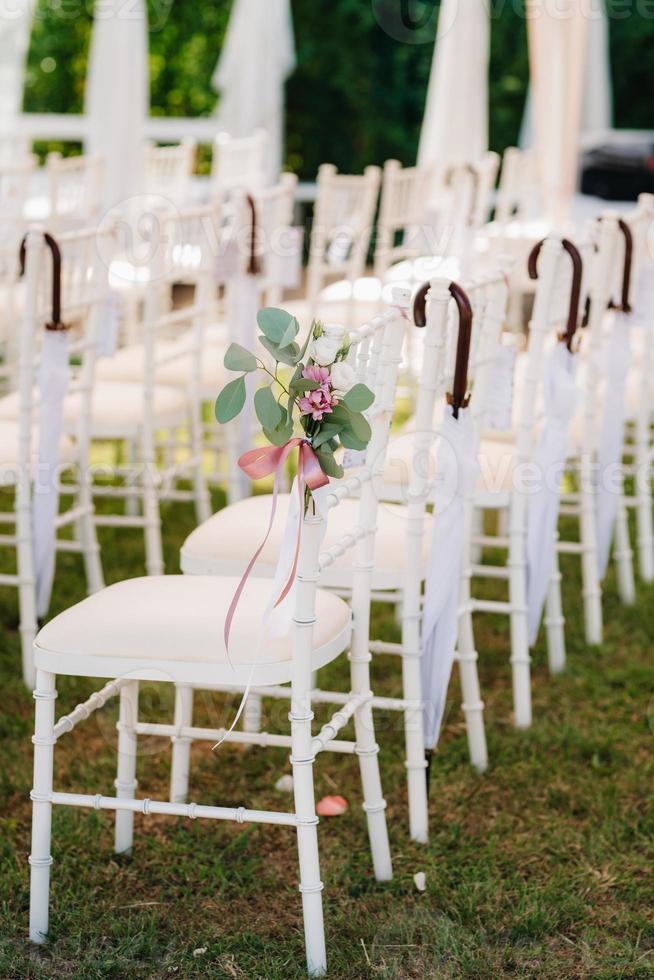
(321, 400)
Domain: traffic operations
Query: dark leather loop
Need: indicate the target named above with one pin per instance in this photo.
(459, 397)
(628, 262)
(254, 266)
(55, 321)
(575, 290)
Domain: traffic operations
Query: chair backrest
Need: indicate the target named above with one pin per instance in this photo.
(239, 163)
(342, 226)
(169, 169)
(274, 210)
(15, 183)
(517, 187)
(375, 353)
(84, 293)
(75, 190)
(403, 211)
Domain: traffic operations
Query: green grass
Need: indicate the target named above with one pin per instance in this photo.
(541, 868)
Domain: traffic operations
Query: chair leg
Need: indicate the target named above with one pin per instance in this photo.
(644, 521)
(624, 556)
(126, 776)
(473, 706)
(415, 750)
(252, 713)
(40, 858)
(200, 488)
(88, 537)
(374, 803)
(132, 502)
(592, 590)
(555, 622)
(181, 754)
(520, 659)
(26, 590)
(152, 517)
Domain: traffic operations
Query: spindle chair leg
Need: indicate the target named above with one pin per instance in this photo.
(592, 590)
(181, 745)
(200, 488)
(151, 512)
(623, 556)
(473, 706)
(520, 659)
(644, 523)
(40, 858)
(415, 749)
(26, 588)
(126, 774)
(132, 503)
(555, 622)
(89, 539)
(252, 713)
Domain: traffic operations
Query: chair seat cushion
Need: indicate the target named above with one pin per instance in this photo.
(117, 406)
(224, 544)
(10, 454)
(166, 622)
(128, 364)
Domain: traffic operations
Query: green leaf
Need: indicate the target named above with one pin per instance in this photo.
(281, 434)
(290, 333)
(358, 398)
(286, 356)
(237, 358)
(268, 411)
(231, 400)
(329, 465)
(341, 415)
(360, 428)
(274, 323)
(304, 384)
(327, 432)
(350, 441)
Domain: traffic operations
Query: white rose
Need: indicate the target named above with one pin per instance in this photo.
(343, 378)
(327, 346)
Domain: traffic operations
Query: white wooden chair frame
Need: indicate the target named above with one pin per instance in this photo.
(304, 747)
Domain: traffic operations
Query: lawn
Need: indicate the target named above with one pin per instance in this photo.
(541, 868)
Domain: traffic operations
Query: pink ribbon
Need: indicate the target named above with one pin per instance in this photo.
(257, 463)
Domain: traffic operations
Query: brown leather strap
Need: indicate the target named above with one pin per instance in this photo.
(459, 396)
(575, 290)
(254, 266)
(55, 321)
(628, 262)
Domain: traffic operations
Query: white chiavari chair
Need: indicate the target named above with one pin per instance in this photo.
(402, 229)
(75, 188)
(171, 628)
(239, 164)
(509, 481)
(30, 464)
(168, 171)
(342, 227)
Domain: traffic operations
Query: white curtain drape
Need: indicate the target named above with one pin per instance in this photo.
(118, 95)
(557, 49)
(257, 57)
(455, 124)
(597, 101)
(15, 29)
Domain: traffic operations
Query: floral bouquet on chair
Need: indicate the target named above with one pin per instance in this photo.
(311, 387)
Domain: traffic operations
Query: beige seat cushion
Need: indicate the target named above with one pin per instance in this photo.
(160, 621)
(117, 407)
(225, 543)
(128, 364)
(10, 454)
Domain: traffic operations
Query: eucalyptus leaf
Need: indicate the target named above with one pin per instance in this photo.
(281, 435)
(329, 465)
(358, 398)
(350, 441)
(327, 432)
(268, 411)
(304, 384)
(286, 356)
(231, 400)
(274, 323)
(237, 358)
(360, 428)
(290, 333)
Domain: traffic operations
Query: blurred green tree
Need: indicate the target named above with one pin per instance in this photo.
(358, 94)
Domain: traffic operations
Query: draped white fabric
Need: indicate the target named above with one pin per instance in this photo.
(560, 399)
(457, 467)
(612, 434)
(15, 27)
(597, 101)
(118, 95)
(455, 124)
(557, 49)
(256, 59)
(53, 384)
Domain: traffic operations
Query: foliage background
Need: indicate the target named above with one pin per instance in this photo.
(357, 96)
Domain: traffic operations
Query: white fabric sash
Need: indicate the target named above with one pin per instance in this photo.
(53, 376)
(560, 398)
(612, 434)
(457, 467)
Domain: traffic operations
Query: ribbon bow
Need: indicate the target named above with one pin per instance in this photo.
(257, 463)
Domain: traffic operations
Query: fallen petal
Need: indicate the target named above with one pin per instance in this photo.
(331, 806)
